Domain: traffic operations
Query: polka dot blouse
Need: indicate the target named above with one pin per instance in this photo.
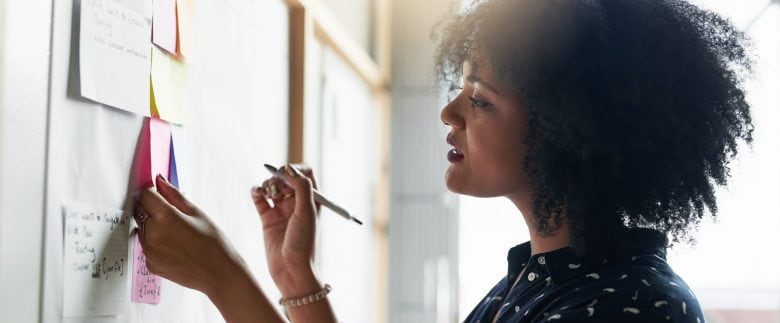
(558, 286)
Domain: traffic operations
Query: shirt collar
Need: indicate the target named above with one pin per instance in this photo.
(562, 264)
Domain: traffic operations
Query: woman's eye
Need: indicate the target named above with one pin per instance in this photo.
(478, 103)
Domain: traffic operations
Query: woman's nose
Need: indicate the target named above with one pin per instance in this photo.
(449, 115)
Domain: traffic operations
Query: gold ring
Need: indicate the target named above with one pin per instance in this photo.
(273, 191)
(142, 217)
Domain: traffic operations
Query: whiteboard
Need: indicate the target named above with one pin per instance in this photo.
(238, 103)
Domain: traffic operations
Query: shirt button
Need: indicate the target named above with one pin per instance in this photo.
(531, 277)
(541, 260)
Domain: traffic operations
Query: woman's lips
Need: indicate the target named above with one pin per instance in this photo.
(454, 155)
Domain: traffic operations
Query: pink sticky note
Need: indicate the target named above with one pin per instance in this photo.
(153, 155)
(142, 168)
(164, 24)
(159, 147)
(146, 286)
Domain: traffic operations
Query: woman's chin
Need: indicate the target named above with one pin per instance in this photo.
(452, 182)
(457, 184)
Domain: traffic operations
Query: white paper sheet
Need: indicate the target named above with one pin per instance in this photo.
(114, 55)
(95, 263)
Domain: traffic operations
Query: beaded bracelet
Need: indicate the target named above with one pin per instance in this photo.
(306, 299)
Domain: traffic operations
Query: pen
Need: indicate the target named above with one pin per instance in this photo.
(319, 198)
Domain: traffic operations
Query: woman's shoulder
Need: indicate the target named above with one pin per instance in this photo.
(636, 288)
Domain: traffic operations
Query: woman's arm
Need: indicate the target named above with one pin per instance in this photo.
(240, 299)
(289, 229)
(181, 244)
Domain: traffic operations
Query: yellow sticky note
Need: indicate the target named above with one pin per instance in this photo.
(185, 12)
(169, 87)
(152, 105)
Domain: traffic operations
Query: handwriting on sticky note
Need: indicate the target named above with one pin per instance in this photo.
(114, 55)
(146, 286)
(95, 262)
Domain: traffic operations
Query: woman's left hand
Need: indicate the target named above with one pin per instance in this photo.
(180, 242)
(183, 245)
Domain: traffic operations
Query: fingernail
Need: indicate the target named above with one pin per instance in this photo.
(162, 178)
(288, 170)
(292, 171)
(272, 190)
(257, 191)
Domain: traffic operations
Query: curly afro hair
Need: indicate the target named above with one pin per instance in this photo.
(635, 108)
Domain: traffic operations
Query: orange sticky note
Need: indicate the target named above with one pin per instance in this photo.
(185, 14)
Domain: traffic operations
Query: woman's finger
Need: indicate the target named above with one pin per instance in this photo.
(308, 172)
(151, 231)
(285, 193)
(304, 203)
(261, 204)
(174, 196)
(276, 188)
(139, 214)
(154, 204)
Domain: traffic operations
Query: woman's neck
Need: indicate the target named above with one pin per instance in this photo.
(540, 243)
(546, 243)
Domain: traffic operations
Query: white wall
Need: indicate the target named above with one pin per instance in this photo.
(348, 172)
(24, 70)
(734, 263)
(357, 18)
(423, 228)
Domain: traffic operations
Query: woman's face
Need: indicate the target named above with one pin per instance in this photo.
(487, 127)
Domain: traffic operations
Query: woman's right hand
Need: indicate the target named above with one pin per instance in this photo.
(289, 228)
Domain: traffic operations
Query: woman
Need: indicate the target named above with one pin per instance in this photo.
(607, 123)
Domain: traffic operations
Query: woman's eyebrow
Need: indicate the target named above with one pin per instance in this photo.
(475, 79)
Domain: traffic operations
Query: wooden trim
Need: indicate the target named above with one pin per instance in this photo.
(383, 51)
(300, 33)
(331, 33)
(383, 36)
(382, 211)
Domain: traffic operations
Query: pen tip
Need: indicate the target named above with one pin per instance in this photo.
(270, 168)
(358, 221)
